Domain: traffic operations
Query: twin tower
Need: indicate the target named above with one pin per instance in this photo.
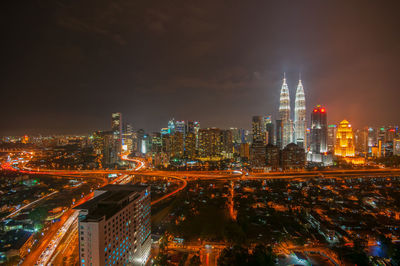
(292, 132)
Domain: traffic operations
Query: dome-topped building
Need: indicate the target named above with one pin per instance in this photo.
(344, 145)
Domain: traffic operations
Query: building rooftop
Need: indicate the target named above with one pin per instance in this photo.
(109, 200)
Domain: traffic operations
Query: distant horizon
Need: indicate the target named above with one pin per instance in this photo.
(166, 125)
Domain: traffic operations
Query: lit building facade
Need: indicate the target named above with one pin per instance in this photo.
(361, 141)
(319, 137)
(300, 124)
(293, 157)
(177, 145)
(190, 145)
(258, 128)
(396, 146)
(284, 115)
(180, 127)
(215, 144)
(244, 151)
(319, 130)
(171, 126)
(331, 138)
(278, 133)
(116, 128)
(114, 226)
(344, 146)
(272, 157)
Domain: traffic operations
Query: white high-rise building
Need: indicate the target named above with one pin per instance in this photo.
(284, 115)
(114, 227)
(300, 125)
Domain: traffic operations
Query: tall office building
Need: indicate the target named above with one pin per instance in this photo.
(269, 129)
(116, 128)
(293, 157)
(344, 140)
(257, 149)
(270, 133)
(396, 146)
(284, 115)
(114, 227)
(319, 130)
(190, 145)
(300, 124)
(215, 143)
(193, 127)
(171, 126)
(272, 155)
(331, 139)
(177, 145)
(258, 128)
(236, 138)
(361, 141)
(156, 143)
(180, 127)
(104, 148)
(127, 137)
(278, 135)
(140, 141)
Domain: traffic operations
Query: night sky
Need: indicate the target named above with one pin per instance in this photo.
(66, 65)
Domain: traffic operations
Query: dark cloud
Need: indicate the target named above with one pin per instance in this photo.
(66, 65)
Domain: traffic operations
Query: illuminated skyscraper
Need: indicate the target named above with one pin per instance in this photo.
(127, 137)
(361, 141)
(190, 145)
(278, 133)
(284, 115)
(331, 137)
(171, 126)
(319, 130)
(344, 140)
(180, 127)
(257, 149)
(257, 126)
(193, 127)
(300, 117)
(269, 129)
(116, 128)
(396, 146)
(114, 226)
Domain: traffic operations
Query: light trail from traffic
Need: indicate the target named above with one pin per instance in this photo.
(29, 205)
(51, 252)
(183, 177)
(48, 253)
(184, 184)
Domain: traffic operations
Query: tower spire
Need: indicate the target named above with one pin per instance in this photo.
(300, 115)
(284, 114)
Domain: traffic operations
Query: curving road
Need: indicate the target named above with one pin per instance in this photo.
(48, 246)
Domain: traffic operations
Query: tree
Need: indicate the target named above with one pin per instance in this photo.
(162, 257)
(262, 256)
(233, 256)
(233, 233)
(195, 261)
(183, 259)
(38, 215)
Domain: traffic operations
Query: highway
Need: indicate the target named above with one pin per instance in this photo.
(61, 237)
(50, 250)
(48, 246)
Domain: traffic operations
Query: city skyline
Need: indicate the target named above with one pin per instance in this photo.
(200, 133)
(156, 61)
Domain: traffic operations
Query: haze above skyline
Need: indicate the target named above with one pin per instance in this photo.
(67, 65)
